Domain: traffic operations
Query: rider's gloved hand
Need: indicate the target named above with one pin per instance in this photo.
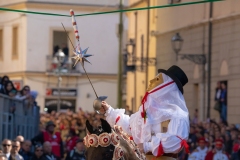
(104, 108)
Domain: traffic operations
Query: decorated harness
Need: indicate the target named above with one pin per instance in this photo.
(108, 139)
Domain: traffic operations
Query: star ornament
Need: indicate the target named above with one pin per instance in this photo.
(81, 56)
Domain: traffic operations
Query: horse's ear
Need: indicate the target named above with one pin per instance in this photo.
(105, 126)
(89, 127)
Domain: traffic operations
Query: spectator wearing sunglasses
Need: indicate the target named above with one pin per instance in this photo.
(6, 147)
(38, 152)
(14, 151)
(24, 93)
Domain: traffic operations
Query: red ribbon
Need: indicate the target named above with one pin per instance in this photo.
(184, 144)
(160, 150)
(117, 119)
(144, 113)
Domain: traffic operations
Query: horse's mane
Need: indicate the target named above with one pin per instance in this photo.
(128, 152)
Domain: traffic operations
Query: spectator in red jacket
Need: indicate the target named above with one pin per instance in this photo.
(54, 138)
(218, 152)
(71, 141)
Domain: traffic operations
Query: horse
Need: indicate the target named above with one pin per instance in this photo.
(104, 143)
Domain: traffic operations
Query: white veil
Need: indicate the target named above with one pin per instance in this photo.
(164, 104)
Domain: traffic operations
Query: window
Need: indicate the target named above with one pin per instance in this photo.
(1, 44)
(15, 43)
(60, 41)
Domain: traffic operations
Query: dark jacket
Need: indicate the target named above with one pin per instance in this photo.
(49, 157)
(25, 155)
(224, 96)
(34, 157)
(73, 155)
(39, 139)
(192, 139)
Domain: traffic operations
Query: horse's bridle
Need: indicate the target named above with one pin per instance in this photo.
(109, 140)
(112, 141)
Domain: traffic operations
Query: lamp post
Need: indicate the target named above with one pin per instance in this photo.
(129, 56)
(60, 57)
(177, 43)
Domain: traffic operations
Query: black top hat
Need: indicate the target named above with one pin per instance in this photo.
(50, 123)
(177, 75)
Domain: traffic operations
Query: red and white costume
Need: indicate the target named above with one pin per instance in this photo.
(199, 154)
(217, 154)
(164, 102)
(202, 152)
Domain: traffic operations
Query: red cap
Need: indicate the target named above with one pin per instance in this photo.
(201, 140)
(219, 142)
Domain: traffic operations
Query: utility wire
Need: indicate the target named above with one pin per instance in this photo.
(109, 12)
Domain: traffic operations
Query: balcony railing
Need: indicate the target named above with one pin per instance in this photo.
(53, 66)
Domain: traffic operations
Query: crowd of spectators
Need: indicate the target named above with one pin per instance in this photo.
(69, 120)
(20, 149)
(60, 137)
(204, 137)
(7, 88)
(70, 125)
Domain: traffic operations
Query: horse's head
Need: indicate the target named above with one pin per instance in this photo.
(103, 144)
(99, 152)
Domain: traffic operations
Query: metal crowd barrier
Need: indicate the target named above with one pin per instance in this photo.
(23, 121)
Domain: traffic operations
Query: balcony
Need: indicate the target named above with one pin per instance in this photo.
(53, 66)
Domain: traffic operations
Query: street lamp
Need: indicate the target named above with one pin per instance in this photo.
(60, 57)
(177, 43)
(129, 56)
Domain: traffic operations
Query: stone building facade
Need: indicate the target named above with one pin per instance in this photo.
(26, 51)
(192, 23)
